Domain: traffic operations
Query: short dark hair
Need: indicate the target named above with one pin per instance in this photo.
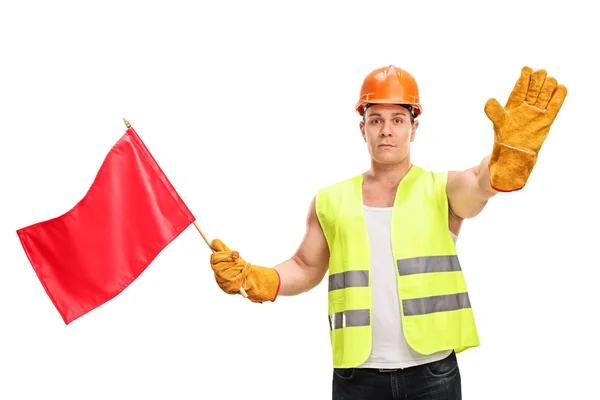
(407, 106)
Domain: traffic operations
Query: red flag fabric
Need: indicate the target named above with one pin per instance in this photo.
(90, 254)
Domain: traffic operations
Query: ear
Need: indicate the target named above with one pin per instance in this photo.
(361, 126)
(414, 130)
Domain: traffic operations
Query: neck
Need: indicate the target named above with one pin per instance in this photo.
(388, 174)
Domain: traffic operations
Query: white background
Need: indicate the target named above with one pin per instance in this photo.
(249, 108)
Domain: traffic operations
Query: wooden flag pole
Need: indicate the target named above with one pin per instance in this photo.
(202, 234)
(242, 291)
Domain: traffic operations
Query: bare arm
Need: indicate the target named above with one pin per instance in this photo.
(308, 265)
(469, 191)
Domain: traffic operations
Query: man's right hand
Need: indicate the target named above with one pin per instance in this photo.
(521, 127)
(232, 272)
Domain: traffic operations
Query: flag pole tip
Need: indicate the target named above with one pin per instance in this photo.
(127, 124)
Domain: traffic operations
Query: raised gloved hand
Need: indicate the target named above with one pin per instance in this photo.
(232, 272)
(521, 127)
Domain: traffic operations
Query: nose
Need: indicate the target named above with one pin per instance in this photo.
(385, 130)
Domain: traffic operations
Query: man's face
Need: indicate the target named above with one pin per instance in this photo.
(388, 132)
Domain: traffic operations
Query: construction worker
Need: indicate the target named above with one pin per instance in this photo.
(399, 308)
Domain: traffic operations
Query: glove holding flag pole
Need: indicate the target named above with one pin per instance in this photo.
(227, 266)
(233, 274)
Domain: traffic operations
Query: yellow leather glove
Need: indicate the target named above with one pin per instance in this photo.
(232, 272)
(521, 127)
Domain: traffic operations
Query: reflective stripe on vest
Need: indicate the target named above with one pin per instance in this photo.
(432, 304)
(348, 318)
(347, 279)
(423, 265)
(344, 280)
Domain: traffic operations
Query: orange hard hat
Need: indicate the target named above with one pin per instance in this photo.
(389, 85)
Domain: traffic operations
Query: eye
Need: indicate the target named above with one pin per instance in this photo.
(398, 120)
(375, 121)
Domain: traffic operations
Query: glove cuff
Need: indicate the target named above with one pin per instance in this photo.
(510, 167)
(262, 284)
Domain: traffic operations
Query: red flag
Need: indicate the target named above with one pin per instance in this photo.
(90, 254)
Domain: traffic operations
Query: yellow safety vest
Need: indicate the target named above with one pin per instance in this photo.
(434, 303)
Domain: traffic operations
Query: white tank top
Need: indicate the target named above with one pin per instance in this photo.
(390, 349)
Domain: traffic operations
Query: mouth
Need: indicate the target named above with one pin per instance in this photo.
(385, 145)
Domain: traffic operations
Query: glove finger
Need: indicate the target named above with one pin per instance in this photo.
(228, 273)
(546, 93)
(227, 286)
(224, 281)
(535, 84)
(495, 112)
(223, 257)
(556, 102)
(218, 245)
(517, 96)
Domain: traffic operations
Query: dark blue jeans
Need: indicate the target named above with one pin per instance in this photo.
(438, 380)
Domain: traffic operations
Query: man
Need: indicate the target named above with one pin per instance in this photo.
(399, 308)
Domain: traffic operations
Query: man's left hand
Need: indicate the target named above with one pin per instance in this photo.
(521, 127)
